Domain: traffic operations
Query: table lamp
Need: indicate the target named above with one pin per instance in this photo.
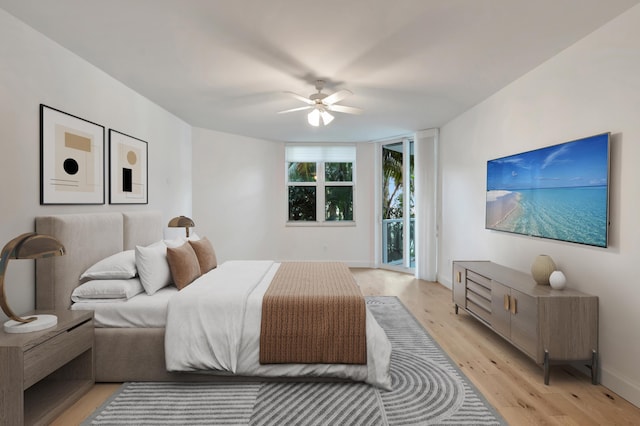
(27, 246)
(182, 222)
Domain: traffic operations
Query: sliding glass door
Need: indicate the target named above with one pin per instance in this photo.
(398, 208)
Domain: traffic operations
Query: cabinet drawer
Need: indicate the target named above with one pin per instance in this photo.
(481, 291)
(47, 357)
(479, 311)
(480, 301)
(479, 279)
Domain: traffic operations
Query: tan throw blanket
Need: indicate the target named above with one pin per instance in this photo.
(313, 313)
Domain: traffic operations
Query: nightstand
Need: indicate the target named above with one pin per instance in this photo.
(46, 371)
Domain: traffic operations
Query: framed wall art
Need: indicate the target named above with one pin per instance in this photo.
(71, 159)
(128, 173)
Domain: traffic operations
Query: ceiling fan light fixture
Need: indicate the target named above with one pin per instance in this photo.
(326, 117)
(319, 115)
(320, 104)
(314, 118)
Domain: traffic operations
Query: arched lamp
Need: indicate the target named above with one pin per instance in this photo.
(27, 246)
(182, 222)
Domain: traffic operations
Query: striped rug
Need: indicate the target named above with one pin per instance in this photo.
(428, 389)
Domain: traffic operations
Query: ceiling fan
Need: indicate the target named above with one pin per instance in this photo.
(320, 104)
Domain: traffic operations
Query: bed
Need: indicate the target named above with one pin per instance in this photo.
(136, 351)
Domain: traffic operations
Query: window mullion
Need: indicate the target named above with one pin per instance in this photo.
(320, 192)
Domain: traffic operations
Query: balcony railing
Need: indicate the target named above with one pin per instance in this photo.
(393, 242)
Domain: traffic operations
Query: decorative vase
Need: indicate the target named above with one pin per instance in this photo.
(542, 268)
(557, 280)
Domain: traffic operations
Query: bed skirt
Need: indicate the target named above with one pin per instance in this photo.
(137, 355)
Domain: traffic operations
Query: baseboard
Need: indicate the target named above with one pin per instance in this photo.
(621, 386)
(444, 280)
(360, 265)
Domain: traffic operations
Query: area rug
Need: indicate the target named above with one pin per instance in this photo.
(427, 389)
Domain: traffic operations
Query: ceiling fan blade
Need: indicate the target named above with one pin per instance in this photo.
(337, 97)
(295, 109)
(346, 109)
(301, 98)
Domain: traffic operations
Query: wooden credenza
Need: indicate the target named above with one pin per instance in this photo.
(547, 325)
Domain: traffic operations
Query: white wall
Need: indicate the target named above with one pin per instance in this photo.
(590, 88)
(235, 182)
(35, 70)
(239, 202)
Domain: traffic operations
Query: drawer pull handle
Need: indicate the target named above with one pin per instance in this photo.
(506, 302)
(514, 305)
(459, 275)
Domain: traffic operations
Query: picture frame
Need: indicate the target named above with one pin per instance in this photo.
(559, 192)
(71, 159)
(128, 169)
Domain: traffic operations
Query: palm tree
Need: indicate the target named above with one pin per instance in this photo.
(392, 176)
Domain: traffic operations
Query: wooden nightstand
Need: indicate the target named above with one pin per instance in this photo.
(46, 371)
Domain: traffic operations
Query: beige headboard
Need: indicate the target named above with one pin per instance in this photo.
(87, 238)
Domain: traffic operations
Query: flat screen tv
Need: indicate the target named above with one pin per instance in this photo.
(559, 192)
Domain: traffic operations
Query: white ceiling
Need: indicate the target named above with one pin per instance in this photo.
(224, 64)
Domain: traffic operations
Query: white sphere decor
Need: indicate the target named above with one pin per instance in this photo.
(557, 280)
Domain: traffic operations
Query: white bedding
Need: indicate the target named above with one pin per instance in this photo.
(142, 310)
(224, 335)
(214, 324)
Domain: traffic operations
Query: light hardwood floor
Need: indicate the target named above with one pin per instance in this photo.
(509, 380)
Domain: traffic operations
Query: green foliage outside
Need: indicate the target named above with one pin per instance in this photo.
(302, 172)
(339, 203)
(393, 199)
(302, 203)
(338, 172)
(393, 185)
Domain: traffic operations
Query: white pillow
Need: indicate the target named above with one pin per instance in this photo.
(118, 266)
(153, 267)
(107, 289)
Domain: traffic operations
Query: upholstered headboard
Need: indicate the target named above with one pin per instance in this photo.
(87, 238)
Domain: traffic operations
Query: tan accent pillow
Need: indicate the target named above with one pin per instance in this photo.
(205, 253)
(184, 265)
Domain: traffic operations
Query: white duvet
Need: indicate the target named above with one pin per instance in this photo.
(214, 324)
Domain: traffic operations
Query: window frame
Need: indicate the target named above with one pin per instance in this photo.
(320, 183)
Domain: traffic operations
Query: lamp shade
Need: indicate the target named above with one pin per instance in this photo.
(182, 222)
(326, 117)
(314, 118)
(27, 246)
(36, 246)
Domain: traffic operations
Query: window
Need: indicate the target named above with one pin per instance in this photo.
(320, 183)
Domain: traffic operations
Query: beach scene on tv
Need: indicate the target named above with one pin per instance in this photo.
(558, 192)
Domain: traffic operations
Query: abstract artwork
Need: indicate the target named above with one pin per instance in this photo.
(71, 159)
(127, 169)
